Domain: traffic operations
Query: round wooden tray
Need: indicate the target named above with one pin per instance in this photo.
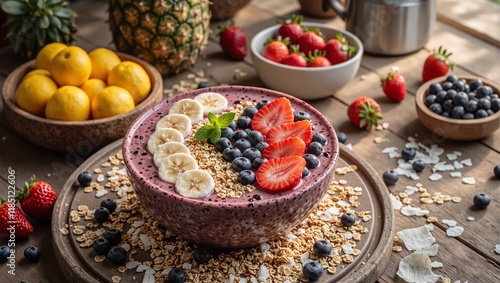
(78, 265)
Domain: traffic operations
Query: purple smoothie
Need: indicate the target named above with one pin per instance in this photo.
(227, 222)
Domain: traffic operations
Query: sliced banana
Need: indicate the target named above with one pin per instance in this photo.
(180, 122)
(162, 136)
(190, 107)
(212, 102)
(167, 149)
(174, 165)
(195, 183)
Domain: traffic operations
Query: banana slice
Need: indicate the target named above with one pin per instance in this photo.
(195, 183)
(167, 149)
(162, 136)
(174, 165)
(212, 102)
(180, 122)
(190, 107)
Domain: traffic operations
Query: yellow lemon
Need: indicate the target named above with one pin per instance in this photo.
(47, 53)
(33, 93)
(110, 101)
(103, 60)
(37, 72)
(69, 103)
(92, 87)
(132, 77)
(71, 66)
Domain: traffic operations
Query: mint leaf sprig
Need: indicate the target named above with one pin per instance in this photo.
(213, 130)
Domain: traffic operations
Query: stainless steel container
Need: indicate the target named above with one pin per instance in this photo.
(388, 27)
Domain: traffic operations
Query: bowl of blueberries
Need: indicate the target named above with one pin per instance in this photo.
(459, 107)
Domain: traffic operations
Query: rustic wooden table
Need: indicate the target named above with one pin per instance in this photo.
(470, 29)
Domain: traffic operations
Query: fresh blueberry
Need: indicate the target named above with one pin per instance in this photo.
(252, 153)
(458, 85)
(436, 108)
(461, 98)
(233, 126)
(261, 146)
(471, 106)
(301, 115)
(84, 178)
(315, 148)
(4, 254)
(110, 204)
(484, 103)
(341, 137)
(481, 113)
(257, 162)
(312, 161)
(246, 177)
(495, 104)
(472, 96)
(176, 275)
(490, 112)
(322, 248)
(230, 153)
(244, 122)
(255, 137)
(474, 84)
(262, 103)
(305, 172)
(418, 165)
(468, 116)
(241, 163)
(457, 112)
(446, 114)
(227, 133)
(429, 99)
(312, 270)
(435, 88)
(447, 85)
(441, 96)
(101, 214)
(450, 94)
(114, 236)
(483, 92)
(496, 171)
(348, 219)
(203, 85)
(202, 254)
(250, 111)
(390, 177)
(448, 105)
(242, 144)
(451, 78)
(32, 254)
(481, 201)
(408, 153)
(101, 246)
(222, 144)
(117, 256)
(239, 134)
(318, 137)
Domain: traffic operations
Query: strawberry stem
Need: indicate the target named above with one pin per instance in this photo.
(26, 189)
(443, 55)
(369, 115)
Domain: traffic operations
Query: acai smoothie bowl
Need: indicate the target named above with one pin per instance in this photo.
(230, 166)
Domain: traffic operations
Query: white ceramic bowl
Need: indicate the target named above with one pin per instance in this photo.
(306, 83)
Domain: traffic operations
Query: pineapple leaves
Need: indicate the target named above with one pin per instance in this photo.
(15, 8)
(55, 21)
(63, 12)
(54, 2)
(44, 22)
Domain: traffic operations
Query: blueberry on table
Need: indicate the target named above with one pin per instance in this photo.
(481, 201)
(101, 214)
(246, 177)
(390, 177)
(110, 204)
(32, 254)
(348, 219)
(342, 137)
(114, 236)
(496, 171)
(202, 254)
(176, 275)
(101, 246)
(312, 270)
(408, 153)
(4, 253)
(322, 248)
(84, 178)
(418, 165)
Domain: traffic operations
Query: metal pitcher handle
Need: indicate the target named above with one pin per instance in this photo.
(339, 9)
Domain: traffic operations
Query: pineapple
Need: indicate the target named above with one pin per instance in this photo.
(169, 34)
(32, 24)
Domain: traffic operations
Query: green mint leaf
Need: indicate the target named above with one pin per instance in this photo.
(215, 136)
(212, 118)
(204, 132)
(225, 119)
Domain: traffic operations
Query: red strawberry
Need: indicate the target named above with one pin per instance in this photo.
(280, 174)
(295, 58)
(288, 147)
(277, 112)
(311, 40)
(364, 112)
(301, 129)
(233, 41)
(394, 86)
(37, 199)
(13, 219)
(437, 64)
(337, 50)
(291, 28)
(318, 59)
(276, 50)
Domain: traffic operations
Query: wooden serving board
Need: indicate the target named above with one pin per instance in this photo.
(78, 264)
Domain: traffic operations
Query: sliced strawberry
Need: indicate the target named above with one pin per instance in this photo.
(280, 174)
(301, 129)
(277, 112)
(288, 147)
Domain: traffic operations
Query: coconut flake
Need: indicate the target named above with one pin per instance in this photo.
(410, 190)
(132, 264)
(243, 280)
(326, 216)
(146, 240)
(334, 210)
(100, 178)
(455, 231)
(347, 249)
(101, 193)
(450, 223)
(416, 238)
(497, 249)
(435, 177)
(263, 273)
(385, 125)
(230, 280)
(187, 266)
(413, 211)
(471, 218)
(138, 223)
(348, 235)
(126, 247)
(431, 251)
(349, 146)
(469, 180)
(390, 149)
(436, 264)
(301, 231)
(149, 276)
(290, 263)
(265, 247)
(455, 174)
(416, 267)
(396, 204)
(304, 258)
(467, 162)
(142, 268)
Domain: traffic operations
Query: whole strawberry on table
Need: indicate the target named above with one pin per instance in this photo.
(37, 199)
(13, 220)
(233, 41)
(394, 85)
(364, 112)
(437, 64)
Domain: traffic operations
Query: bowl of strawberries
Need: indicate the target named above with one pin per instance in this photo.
(307, 60)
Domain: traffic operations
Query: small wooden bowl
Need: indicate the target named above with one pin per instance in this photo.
(456, 129)
(82, 137)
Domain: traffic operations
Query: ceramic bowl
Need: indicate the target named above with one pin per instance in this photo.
(305, 83)
(456, 129)
(83, 137)
(226, 222)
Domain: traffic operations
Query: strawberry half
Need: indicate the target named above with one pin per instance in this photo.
(37, 199)
(288, 147)
(280, 174)
(301, 129)
(275, 113)
(12, 217)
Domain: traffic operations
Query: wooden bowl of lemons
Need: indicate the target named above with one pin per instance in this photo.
(80, 119)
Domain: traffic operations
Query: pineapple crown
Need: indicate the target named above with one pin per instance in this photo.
(32, 24)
